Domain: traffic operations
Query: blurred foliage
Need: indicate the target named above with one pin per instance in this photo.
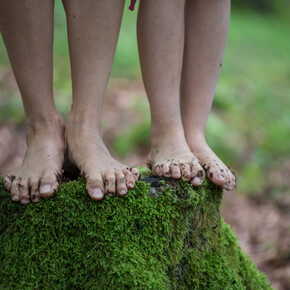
(278, 7)
(250, 122)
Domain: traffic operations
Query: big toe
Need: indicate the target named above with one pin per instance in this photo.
(49, 184)
(95, 185)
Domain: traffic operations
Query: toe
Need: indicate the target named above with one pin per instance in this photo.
(157, 170)
(121, 183)
(110, 183)
(185, 172)
(24, 191)
(197, 173)
(166, 170)
(49, 184)
(135, 172)
(34, 190)
(130, 180)
(216, 177)
(198, 178)
(230, 183)
(7, 181)
(15, 193)
(175, 170)
(95, 185)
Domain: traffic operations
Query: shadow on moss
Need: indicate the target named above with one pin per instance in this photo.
(162, 235)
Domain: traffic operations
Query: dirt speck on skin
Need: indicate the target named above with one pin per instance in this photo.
(58, 178)
(200, 174)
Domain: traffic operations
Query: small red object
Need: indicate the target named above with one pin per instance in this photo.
(132, 6)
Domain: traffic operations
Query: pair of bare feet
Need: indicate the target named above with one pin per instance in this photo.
(181, 47)
(39, 175)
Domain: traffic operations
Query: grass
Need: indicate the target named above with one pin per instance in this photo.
(250, 122)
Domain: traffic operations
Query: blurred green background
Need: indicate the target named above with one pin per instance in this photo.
(250, 122)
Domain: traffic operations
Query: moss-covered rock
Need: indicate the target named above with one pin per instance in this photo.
(162, 235)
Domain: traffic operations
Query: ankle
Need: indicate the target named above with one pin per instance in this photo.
(195, 139)
(47, 124)
(166, 135)
(83, 124)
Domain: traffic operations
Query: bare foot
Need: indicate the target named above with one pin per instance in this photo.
(40, 173)
(104, 175)
(216, 170)
(170, 156)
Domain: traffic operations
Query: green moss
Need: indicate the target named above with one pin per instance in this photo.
(160, 236)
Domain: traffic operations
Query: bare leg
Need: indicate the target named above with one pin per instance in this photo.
(206, 30)
(27, 30)
(93, 29)
(160, 39)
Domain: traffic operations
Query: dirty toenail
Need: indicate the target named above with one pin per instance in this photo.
(45, 188)
(123, 192)
(196, 180)
(131, 185)
(97, 193)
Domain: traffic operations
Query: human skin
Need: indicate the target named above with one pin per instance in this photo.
(92, 42)
(27, 31)
(181, 49)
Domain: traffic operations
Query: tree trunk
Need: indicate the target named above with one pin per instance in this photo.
(163, 235)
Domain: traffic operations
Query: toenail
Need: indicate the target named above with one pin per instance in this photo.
(97, 193)
(24, 201)
(196, 180)
(45, 188)
(123, 192)
(14, 198)
(131, 185)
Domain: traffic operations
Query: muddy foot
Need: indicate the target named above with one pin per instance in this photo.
(40, 173)
(216, 170)
(170, 156)
(104, 174)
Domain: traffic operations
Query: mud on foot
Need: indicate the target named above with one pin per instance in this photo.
(216, 170)
(103, 174)
(39, 175)
(173, 158)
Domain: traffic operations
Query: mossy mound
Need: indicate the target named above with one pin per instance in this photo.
(160, 236)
